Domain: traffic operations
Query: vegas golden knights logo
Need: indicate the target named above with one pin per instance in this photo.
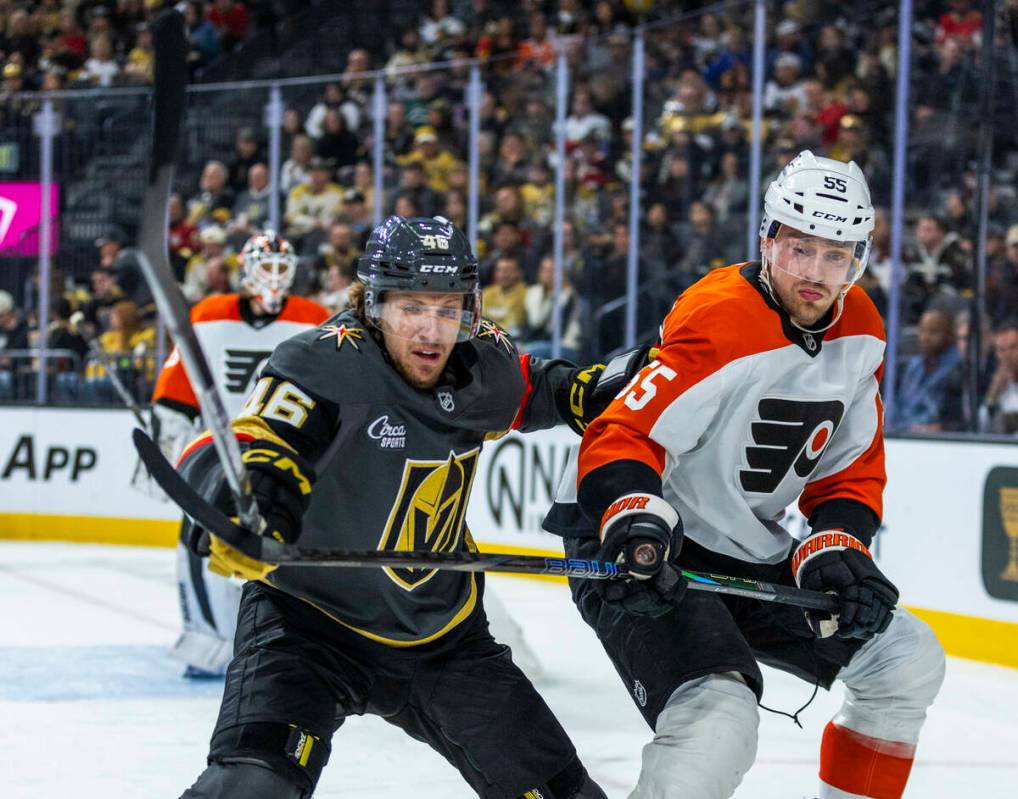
(428, 512)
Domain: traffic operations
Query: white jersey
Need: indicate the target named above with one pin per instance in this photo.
(236, 345)
(740, 415)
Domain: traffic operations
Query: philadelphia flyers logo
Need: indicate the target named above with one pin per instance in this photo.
(791, 434)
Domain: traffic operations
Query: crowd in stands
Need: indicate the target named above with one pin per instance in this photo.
(829, 87)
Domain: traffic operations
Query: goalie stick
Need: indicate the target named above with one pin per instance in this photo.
(170, 45)
(169, 100)
(267, 550)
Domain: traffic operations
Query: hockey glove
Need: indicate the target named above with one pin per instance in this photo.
(836, 562)
(643, 532)
(281, 483)
(593, 388)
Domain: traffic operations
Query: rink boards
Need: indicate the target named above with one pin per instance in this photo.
(949, 540)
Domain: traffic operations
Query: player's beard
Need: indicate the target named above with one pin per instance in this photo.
(804, 312)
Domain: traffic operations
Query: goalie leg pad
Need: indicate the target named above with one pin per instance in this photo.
(704, 741)
(249, 779)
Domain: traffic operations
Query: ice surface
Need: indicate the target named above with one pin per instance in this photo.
(91, 707)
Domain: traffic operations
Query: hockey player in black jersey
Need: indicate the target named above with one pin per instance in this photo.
(364, 433)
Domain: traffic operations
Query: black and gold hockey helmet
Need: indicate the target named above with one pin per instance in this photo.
(420, 254)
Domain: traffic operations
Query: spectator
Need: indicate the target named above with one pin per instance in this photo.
(13, 327)
(218, 277)
(337, 144)
(659, 241)
(296, 170)
(357, 212)
(335, 291)
(961, 23)
(140, 64)
(834, 62)
(728, 193)
(197, 281)
(504, 301)
(247, 151)
(340, 250)
(539, 48)
(293, 126)
(100, 69)
(333, 99)
(130, 344)
(104, 295)
(413, 185)
(584, 120)
(853, 144)
(540, 309)
(921, 400)
(408, 54)
(230, 20)
(63, 335)
(19, 40)
(399, 136)
(999, 411)
(214, 201)
(251, 210)
(202, 36)
(71, 47)
(1002, 289)
(705, 245)
(183, 236)
(311, 208)
(440, 28)
(12, 105)
(784, 93)
(938, 269)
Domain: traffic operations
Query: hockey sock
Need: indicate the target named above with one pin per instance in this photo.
(853, 765)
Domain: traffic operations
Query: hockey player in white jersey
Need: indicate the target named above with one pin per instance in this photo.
(765, 390)
(238, 333)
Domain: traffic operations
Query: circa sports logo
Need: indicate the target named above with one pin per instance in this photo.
(389, 435)
(790, 434)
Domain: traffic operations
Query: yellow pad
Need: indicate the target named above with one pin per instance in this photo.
(229, 562)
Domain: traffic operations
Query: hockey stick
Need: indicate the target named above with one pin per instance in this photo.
(169, 99)
(267, 550)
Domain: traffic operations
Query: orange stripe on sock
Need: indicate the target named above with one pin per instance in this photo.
(872, 767)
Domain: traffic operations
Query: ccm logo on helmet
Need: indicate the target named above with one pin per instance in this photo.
(440, 269)
(830, 217)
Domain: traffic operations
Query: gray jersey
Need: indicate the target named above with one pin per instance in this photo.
(395, 464)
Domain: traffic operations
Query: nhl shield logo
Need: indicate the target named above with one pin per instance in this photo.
(446, 401)
(640, 693)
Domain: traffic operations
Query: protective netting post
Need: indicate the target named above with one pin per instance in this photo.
(274, 122)
(475, 96)
(633, 255)
(561, 106)
(378, 103)
(756, 140)
(45, 123)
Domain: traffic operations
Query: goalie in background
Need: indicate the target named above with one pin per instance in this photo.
(238, 333)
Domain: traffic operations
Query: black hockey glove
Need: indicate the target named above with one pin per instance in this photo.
(281, 483)
(837, 562)
(593, 388)
(643, 532)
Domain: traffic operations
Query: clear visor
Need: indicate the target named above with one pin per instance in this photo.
(270, 278)
(441, 318)
(819, 260)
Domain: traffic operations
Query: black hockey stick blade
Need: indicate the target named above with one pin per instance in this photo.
(217, 523)
(201, 511)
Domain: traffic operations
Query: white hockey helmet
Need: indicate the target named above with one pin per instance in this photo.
(825, 198)
(270, 266)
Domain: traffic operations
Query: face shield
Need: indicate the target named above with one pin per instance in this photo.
(437, 318)
(269, 278)
(819, 260)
